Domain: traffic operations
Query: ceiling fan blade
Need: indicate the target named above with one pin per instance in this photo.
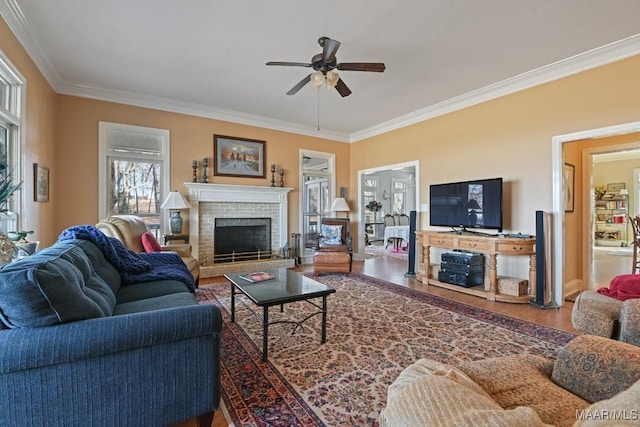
(377, 67)
(342, 88)
(289, 64)
(329, 48)
(299, 86)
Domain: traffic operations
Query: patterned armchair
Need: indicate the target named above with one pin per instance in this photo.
(129, 230)
(597, 314)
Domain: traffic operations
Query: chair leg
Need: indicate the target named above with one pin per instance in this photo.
(634, 268)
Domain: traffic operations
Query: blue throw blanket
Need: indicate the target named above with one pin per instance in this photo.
(133, 267)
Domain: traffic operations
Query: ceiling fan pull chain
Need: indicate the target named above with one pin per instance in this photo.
(318, 108)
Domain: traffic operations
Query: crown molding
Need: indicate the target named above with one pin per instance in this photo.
(603, 55)
(192, 109)
(21, 27)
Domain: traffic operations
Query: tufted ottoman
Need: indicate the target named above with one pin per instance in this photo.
(331, 262)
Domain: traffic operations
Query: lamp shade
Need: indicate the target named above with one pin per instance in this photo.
(175, 201)
(340, 205)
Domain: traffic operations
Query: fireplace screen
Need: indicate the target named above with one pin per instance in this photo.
(241, 239)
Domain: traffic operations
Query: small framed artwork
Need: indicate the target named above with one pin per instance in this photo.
(40, 183)
(239, 157)
(568, 186)
(615, 187)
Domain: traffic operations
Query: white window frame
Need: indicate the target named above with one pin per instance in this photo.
(112, 134)
(12, 105)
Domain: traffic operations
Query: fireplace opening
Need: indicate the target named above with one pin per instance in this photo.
(241, 239)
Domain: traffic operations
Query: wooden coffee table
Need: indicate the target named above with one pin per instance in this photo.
(288, 286)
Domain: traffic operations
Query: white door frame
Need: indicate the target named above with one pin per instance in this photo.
(359, 214)
(557, 162)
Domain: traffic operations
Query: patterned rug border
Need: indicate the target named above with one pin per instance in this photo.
(279, 404)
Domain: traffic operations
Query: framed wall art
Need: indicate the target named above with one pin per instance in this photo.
(40, 183)
(239, 157)
(568, 186)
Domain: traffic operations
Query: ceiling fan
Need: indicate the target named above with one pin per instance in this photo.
(324, 63)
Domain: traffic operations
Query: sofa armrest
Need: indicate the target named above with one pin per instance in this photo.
(596, 368)
(596, 314)
(184, 250)
(630, 321)
(29, 348)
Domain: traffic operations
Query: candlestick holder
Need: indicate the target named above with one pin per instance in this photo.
(273, 177)
(204, 173)
(281, 177)
(195, 174)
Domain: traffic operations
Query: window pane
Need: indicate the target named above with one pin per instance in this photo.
(134, 187)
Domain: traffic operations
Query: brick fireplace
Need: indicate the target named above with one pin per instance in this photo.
(214, 202)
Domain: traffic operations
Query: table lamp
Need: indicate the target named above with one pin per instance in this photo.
(340, 205)
(175, 202)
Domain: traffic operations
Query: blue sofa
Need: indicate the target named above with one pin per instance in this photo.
(79, 347)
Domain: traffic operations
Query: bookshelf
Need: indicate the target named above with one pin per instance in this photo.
(611, 221)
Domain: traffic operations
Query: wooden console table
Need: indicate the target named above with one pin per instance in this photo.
(493, 246)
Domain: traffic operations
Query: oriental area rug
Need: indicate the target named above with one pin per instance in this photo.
(374, 330)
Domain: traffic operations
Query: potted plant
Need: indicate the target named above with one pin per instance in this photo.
(24, 246)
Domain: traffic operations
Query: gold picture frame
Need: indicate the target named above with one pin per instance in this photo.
(569, 186)
(40, 183)
(239, 157)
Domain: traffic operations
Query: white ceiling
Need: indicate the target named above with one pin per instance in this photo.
(207, 57)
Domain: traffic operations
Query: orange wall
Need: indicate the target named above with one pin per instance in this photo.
(511, 137)
(39, 138)
(191, 138)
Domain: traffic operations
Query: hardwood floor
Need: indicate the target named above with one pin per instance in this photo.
(393, 270)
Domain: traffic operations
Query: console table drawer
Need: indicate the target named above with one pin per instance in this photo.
(474, 245)
(441, 241)
(516, 248)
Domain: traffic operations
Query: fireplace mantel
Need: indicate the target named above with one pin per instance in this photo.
(226, 193)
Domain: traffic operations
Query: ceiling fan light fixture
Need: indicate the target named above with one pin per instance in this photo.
(332, 78)
(317, 78)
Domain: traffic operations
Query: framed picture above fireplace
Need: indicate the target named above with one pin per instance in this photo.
(239, 157)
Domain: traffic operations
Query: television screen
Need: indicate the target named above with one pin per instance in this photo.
(469, 204)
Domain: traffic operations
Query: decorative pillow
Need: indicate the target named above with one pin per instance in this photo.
(149, 243)
(331, 234)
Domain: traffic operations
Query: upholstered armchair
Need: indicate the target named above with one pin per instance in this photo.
(129, 229)
(334, 252)
(597, 314)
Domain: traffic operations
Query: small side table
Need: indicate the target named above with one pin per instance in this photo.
(170, 237)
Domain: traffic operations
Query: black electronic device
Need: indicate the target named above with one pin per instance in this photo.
(459, 257)
(460, 279)
(462, 268)
(468, 204)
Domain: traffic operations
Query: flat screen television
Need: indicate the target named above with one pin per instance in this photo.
(468, 204)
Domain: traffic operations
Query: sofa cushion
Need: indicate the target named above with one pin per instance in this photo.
(55, 285)
(429, 393)
(149, 242)
(596, 368)
(525, 380)
(153, 289)
(180, 299)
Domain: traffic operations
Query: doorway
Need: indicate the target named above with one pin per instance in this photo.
(584, 235)
(396, 188)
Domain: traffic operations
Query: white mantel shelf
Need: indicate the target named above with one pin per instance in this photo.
(226, 193)
(236, 193)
